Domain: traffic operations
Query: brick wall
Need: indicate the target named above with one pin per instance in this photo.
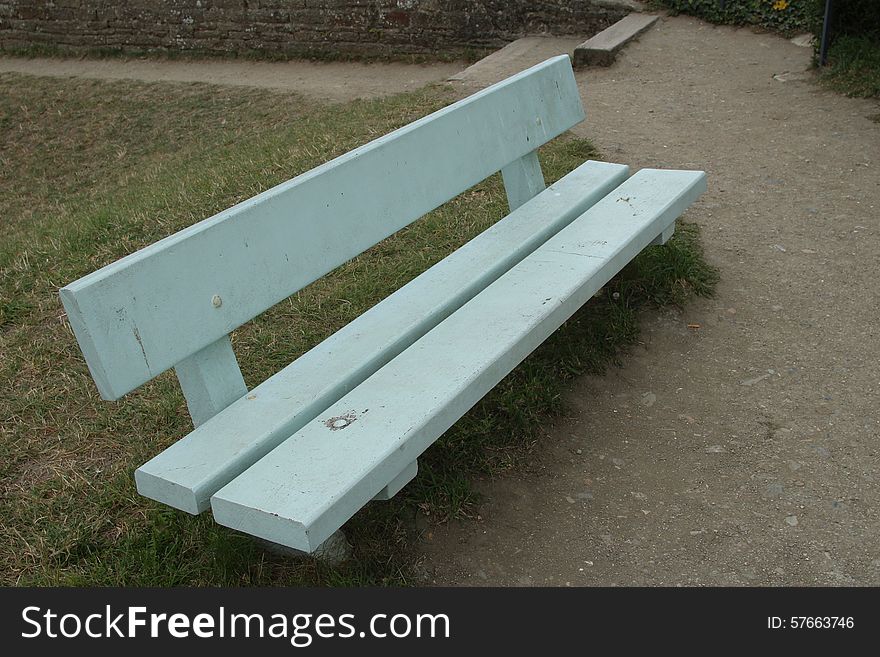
(294, 27)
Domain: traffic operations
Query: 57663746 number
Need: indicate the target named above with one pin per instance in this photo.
(810, 622)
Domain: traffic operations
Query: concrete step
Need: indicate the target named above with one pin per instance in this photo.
(513, 58)
(601, 49)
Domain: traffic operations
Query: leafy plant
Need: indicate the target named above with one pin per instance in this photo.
(786, 16)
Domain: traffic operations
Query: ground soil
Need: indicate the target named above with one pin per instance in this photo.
(738, 444)
(329, 81)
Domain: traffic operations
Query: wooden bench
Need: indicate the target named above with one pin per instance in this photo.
(293, 459)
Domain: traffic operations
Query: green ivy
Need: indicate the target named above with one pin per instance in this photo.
(786, 16)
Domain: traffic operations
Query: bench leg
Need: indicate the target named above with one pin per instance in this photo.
(210, 380)
(523, 180)
(395, 485)
(334, 551)
(664, 237)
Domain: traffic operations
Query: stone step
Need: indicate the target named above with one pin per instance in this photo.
(601, 49)
(513, 58)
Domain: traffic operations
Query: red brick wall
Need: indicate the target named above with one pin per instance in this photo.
(293, 27)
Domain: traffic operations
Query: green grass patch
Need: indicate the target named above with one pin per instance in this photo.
(854, 66)
(95, 170)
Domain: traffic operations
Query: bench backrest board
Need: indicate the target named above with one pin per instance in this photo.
(181, 296)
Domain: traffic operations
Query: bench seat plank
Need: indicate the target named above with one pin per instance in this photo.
(187, 473)
(308, 486)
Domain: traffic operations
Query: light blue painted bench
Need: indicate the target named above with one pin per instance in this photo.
(293, 459)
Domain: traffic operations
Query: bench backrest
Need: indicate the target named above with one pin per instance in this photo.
(173, 304)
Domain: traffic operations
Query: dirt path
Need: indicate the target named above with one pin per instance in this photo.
(330, 81)
(744, 452)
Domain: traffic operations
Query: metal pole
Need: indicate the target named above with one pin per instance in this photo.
(826, 34)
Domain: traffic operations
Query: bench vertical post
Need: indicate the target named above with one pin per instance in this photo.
(396, 485)
(523, 179)
(211, 380)
(665, 236)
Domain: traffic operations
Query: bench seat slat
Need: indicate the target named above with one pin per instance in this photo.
(141, 315)
(309, 485)
(187, 473)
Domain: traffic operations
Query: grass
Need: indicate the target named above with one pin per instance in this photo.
(94, 170)
(854, 66)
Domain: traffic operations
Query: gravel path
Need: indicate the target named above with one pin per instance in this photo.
(328, 81)
(746, 451)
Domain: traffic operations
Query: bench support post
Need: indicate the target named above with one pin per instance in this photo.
(665, 236)
(523, 179)
(333, 551)
(211, 380)
(396, 485)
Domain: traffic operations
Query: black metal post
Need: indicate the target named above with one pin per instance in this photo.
(826, 34)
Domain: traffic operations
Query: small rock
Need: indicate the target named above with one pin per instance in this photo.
(333, 551)
(779, 247)
(586, 495)
(715, 449)
(791, 521)
(422, 522)
(648, 399)
(775, 489)
(578, 451)
(757, 379)
(569, 499)
(788, 76)
(618, 462)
